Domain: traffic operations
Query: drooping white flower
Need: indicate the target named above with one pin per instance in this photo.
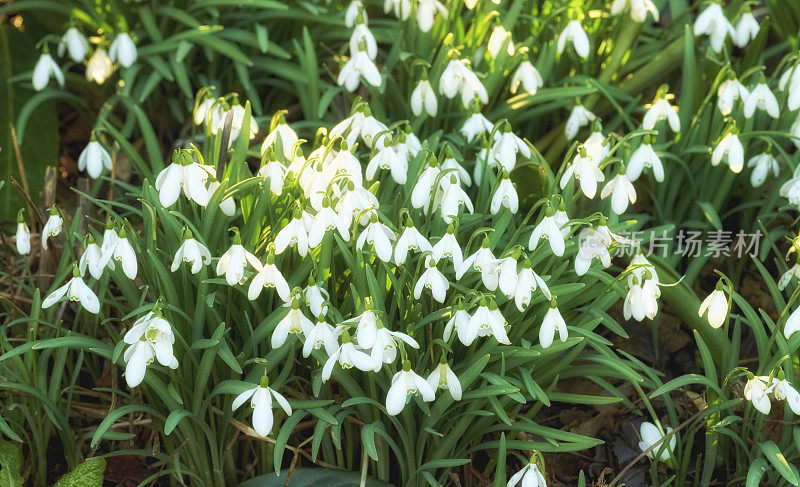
(93, 259)
(475, 125)
(406, 383)
(448, 248)
(639, 9)
(366, 328)
(786, 278)
(53, 226)
(293, 234)
(379, 236)
(794, 131)
(484, 262)
(432, 279)
(790, 82)
(93, 158)
(661, 110)
(321, 335)
(712, 21)
(426, 11)
(729, 146)
(586, 171)
(574, 34)
(496, 41)
(295, 322)
(548, 229)
(506, 147)
(594, 244)
(528, 282)
(99, 67)
(384, 349)
(410, 239)
(193, 252)
(782, 389)
(761, 98)
(327, 220)
(351, 13)
(357, 67)
(348, 356)
(44, 69)
(150, 337)
(746, 29)
(506, 195)
(459, 321)
(233, 262)
(652, 434)
(578, 117)
(645, 157)
(316, 297)
(75, 290)
(123, 49)
(125, 255)
(756, 391)
(762, 165)
(402, 8)
(443, 377)
(423, 96)
(792, 324)
(528, 476)
(456, 169)
(486, 321)
(261, 402)
(267, 275)
(458, 78)
(621, 191)
(791, 188)
(527, 76)
(362, 40)
(451, 198)
(387, 158)
(282, 133)
(552, 322)
(74, 43)
(227, 205)
(23, 236)
(717, 306)
(729, 91)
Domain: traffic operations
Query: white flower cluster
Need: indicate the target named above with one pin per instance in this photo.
(363, 50)
(758, 388)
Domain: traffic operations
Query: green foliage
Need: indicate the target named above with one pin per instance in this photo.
(87, 474)
(10, 464)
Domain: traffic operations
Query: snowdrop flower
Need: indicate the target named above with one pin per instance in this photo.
(432, 279)
(456, 169)
(75, 44)
(379, 236)
(459, 321)
(661, 110)
(281, 133)
(316, 297)
(792, 324)
(233, 262)
(507, 146)
(746, 29)
(261, 402)
(228, 205)
(183, 173)
(452, 198)
(639, 9)
(783, 390)
(527, 282)
(23, 237)
(762, 165)
(487, 321)
(295, 322)
(578, 118)
(366, 327)
(548, 229)
(99, 67)
(652, 434)
(321, 335)
(237, 119)
(717, 306)
(44, 69)
(621, 191)
(93, 158)
(551, 323)
(586, 172)
(506, 195)
(506, 270)
(482, 261)
(423, 96)
(448, 247)
(529, 476)
(351, 13)
(756, 391)
(401, 8)
(475, 125)
(360, 34)
(384, 349)
(761, 98)
(406, 383)
(443, 377)
(791, 189)
(125, 255)
(150, 337)
(293, 234)
(193, 252)
(267, 275)
(790, 81)
(594, 244)
(644, 156)
(92, 259)
(274, 171)
(574, 34)
(729, 91)
(53, 226)
(731, 147)
(75, 290)
(110, 239)
(787, 276)
(388, 159)
(325, 221)
(496, 41)
(124, 50)
(348, 356)
(426, 10)
(358, 66)
(457, 78)
(527, 76)
(712, 21)
(370, 130)
(209, 109)
(794, 131)
(562, 219)
(410, 239)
